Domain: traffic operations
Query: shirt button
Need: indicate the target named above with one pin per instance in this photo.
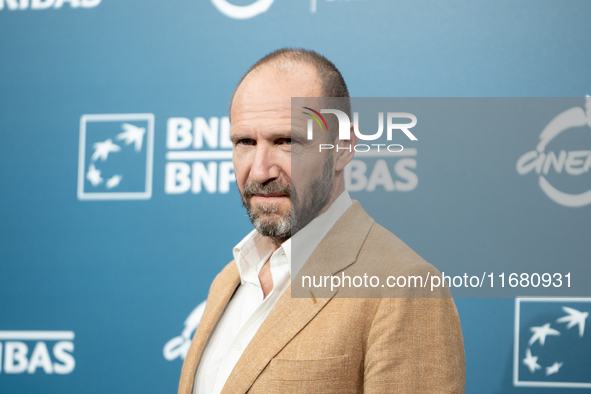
(237, 346)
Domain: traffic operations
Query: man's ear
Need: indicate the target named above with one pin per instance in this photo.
(346, 150)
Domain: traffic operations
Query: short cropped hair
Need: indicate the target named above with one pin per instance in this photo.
(333, 83)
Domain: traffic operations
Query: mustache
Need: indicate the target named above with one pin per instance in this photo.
(276, 186)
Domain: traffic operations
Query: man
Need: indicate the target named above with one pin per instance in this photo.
(254, 336)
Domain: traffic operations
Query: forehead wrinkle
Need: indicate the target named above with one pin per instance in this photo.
(272, 129)
(269, 123)
(261, 120)
(262, 113)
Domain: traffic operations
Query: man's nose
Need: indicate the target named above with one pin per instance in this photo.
(265, 166)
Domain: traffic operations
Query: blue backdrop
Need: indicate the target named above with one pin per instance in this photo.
(104, 259)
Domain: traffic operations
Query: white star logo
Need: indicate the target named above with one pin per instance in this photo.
(574, 317)
(553, 368)
(94, 175)
(132, 134)
(540, 333)
(531, 361)
(102, 149)
(113, 181)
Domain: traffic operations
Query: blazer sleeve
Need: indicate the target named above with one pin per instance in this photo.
(415, 345)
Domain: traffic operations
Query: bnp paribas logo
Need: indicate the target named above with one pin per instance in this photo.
(552, 343)
(115, 157)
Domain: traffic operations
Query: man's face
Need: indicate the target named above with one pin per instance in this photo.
(265, 144)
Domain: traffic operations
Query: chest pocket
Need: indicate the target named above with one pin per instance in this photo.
(317, 369)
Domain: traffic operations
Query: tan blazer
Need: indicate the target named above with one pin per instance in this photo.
(344, 345)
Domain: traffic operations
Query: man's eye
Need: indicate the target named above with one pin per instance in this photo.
(287, 141)
(245, 142)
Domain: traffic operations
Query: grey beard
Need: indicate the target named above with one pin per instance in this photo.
(300, 214)
(279, 231)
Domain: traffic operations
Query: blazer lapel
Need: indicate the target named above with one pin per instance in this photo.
(286, 319)
(290, 315)
(224, 287)
(337, 250)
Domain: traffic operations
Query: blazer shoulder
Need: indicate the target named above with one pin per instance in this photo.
(384, 247)
(227, 277)
(383, 254)
(229, 269)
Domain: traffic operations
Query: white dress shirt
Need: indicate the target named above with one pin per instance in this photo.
(248, 308)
